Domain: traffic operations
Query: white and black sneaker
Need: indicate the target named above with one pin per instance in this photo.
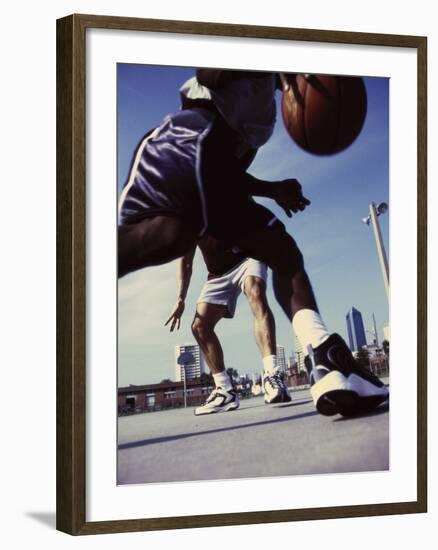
(275, 389)
(339, 385)
(219, 400)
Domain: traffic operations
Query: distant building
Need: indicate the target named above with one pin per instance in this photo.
(355, 329)
(193, 369)
(281, 358)
(155, 397)
(386, 333)
(296, 374)
(299, 355)
(374, 350)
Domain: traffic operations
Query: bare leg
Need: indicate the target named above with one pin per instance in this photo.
(274, 246)
(206, 318)
(264, 323)
(294, 292)
(153, 241)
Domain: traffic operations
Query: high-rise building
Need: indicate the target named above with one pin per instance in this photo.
(194, 368)
(299, 355)
(355, 329)
(281, 358)
(386, 333)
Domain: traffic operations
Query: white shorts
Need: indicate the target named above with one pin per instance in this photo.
(225, 290)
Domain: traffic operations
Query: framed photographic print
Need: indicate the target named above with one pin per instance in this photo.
(241, 258)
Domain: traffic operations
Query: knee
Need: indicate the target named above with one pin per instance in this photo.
(256, 294)
(200, 329)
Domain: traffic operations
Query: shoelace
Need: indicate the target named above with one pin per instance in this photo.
(212, 396)
(345, 357)
(275, 381)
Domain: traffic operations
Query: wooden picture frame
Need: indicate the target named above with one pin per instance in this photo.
(71, 273)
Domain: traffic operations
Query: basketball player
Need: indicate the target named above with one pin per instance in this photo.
(189, 178)
(229, 274)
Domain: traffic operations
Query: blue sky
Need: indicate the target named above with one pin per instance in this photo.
(339, 250)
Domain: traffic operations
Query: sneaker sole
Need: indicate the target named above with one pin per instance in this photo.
(363, 405)
(229, 407)
(337, 394)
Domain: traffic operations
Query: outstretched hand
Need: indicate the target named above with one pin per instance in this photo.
(289, 196)
(175, 316)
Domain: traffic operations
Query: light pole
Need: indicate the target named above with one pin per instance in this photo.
(185, 358)
(375, 330)
(185, 385)
(374, 213)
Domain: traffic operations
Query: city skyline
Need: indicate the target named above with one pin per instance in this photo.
(284, 359)
(339, 251)
(355, 328)
(199, 365)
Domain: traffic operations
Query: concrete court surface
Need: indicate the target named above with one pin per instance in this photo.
(256, 440)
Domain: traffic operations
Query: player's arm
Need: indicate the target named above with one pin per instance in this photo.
(184, 270)
(287, 193)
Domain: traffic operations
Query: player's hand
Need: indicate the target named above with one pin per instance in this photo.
(289, 196)
(175, 316)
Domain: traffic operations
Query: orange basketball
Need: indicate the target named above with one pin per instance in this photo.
(324, 114)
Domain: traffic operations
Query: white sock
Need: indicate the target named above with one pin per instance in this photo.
(223, 380)
(270, 363)
(309, 328)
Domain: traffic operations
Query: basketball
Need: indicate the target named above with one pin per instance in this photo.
(323, 114)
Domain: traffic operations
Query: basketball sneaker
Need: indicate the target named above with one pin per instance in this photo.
(219, 400)
(339, 385)
(275, 389)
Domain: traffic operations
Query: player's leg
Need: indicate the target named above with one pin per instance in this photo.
(206, 318)
(339, 384)
(272, 245)
(223, 398)
(294, 292)
(152, 241)
(163, 191)
(264, 329)
(252, 228)
(264, 323)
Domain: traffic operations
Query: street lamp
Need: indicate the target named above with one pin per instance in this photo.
(374, 213)
(374, 333)
(375, 330)
(185, 358)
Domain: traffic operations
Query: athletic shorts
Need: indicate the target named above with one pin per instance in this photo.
(189, 167)
(225, 290)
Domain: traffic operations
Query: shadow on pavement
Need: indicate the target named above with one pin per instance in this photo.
(167, 438)
(293, 404)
